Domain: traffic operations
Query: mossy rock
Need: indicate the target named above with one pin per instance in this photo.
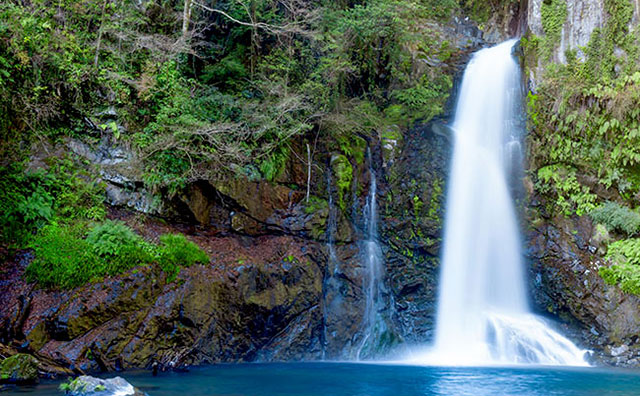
(20, 369)
(343, 175)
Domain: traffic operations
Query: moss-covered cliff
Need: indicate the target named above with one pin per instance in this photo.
(581, 61)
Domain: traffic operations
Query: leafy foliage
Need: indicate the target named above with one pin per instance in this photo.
(64, 258)
(482, 10)
(29, 200)
(119, 247)
(553, 15)
(228, 95)
(343, 172)
(617, 217)
(627, 272)
(586, 114)
(176, 251)
(572, 196)
(586, 129)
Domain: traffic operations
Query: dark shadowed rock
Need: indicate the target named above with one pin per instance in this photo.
(565, 283)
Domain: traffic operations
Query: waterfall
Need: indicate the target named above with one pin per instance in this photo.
(332, 227)
(373, 280)
(333, 265)
(483, 312)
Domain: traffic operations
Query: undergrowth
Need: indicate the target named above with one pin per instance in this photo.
(626, 270)
(66, 257)
(617, 217)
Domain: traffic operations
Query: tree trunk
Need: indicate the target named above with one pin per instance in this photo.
(95, 59)
(186, 17)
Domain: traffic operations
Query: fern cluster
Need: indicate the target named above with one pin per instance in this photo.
(626, 271)
(617, 217)
(64, 258)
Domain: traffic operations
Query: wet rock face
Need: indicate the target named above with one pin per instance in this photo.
(564, 256)
(413, 217)
(507, 21)
(242, 310)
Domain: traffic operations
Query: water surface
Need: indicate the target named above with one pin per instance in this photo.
(348, 379)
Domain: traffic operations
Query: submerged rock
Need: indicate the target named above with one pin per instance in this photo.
(19, 369)
(91, 386)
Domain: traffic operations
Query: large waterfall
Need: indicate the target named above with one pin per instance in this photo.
(483, 313)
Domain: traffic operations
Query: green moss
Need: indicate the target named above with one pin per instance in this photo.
(435, 203)
(20, 368)
(343, 174)
(315, 205)
(75, 385)
(553, 16)
(481, 11)
(391, 140)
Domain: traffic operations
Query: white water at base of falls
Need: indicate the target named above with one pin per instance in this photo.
(483, 314)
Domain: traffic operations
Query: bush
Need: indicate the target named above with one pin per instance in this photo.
(119, 247)
(25, 204)
(626, 271)
(617, 217)
(29, 200)
(176, 251)
(625, 275)
(62, 258)
(625, 251)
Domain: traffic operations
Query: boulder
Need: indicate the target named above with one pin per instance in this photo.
(91, 386)
(19, 369)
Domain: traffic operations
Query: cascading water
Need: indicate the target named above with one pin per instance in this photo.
(483, 314)
(373, 284)
(332, 263)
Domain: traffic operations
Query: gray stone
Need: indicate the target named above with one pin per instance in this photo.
(91, 386)
(583, 16)
(619, 350)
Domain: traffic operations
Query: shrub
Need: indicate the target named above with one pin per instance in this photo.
(119, 247)
(626, 271)
(617, 217)
(29, 200)
(625, 251)
(176, 251)
(625, 275)
(62, 258)
(25, 203)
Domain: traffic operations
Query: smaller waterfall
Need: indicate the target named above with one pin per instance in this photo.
(373, 285)
(332, 261)
(332, 226)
